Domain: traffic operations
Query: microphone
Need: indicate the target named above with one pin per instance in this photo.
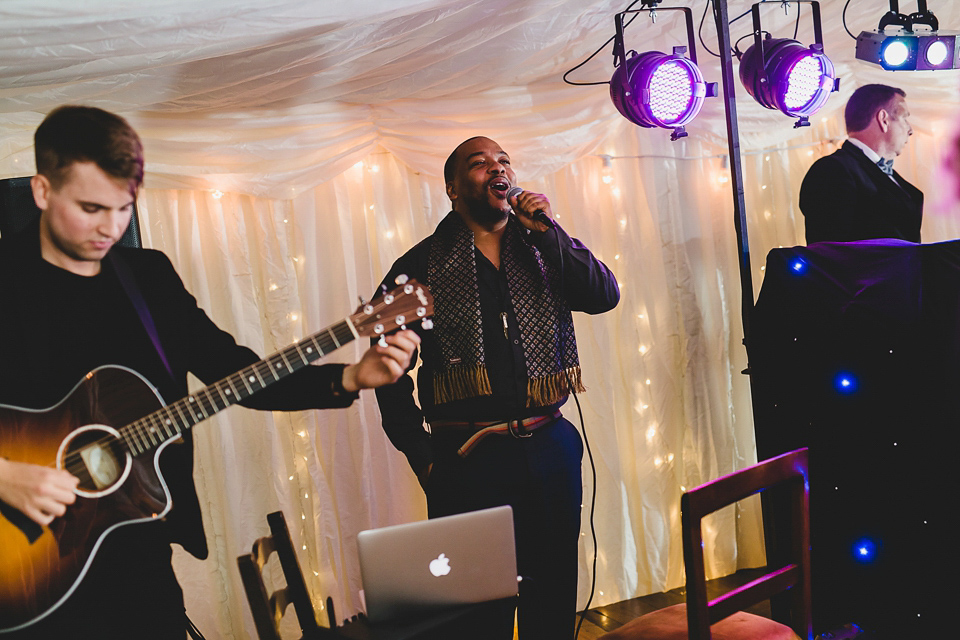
(538, 215)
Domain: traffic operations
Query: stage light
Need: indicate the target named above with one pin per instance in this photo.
(865, 550)
(655, 89)
(845, 383)
(904, 48)
(798, 266)
(896, 53)
(907, 51)
(936, 53)
(782, 74)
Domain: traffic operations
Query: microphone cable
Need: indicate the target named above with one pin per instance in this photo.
(593, 466)
(586, 441)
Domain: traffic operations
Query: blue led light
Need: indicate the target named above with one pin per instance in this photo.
(798, 265)
(845, 383)
(865, 550)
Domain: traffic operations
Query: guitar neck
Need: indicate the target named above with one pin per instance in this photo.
(156, 428)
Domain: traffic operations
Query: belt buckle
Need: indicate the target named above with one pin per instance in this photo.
(514, 427)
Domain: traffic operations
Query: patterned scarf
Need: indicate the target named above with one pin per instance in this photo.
(543, 316)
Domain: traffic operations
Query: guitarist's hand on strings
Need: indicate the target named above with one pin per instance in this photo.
(40, 493)
(382, 365)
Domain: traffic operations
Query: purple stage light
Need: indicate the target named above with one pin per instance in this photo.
(785, 75)
(655, 89)
(936, 53)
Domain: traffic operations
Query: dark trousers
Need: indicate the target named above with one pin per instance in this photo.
(540, 478)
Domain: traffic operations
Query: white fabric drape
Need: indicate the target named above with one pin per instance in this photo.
(294, 151)
(666, 407)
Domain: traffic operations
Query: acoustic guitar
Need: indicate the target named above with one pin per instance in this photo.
(109, 432)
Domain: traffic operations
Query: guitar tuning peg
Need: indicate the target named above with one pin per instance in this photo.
(362, 301)
(427, 324)
(383, 288)
(401, 279)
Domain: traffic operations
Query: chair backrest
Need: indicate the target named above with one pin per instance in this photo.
(17, 210)
(268, 608)
(789, 471)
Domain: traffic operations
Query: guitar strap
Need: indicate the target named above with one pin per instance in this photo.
(122, 269)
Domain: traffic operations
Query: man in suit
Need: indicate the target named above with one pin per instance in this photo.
(854, 193)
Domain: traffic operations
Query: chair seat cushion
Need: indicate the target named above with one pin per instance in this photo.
(671, 624)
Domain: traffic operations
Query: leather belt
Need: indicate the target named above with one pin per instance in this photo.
(517, 428)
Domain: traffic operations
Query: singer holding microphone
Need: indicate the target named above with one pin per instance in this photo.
(500, 362)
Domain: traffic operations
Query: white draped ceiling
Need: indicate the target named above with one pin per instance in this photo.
(293, 152)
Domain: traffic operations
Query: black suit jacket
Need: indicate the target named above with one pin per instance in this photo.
(846, 197)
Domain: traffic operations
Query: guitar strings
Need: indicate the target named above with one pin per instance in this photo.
(325, 340)
(326, 343)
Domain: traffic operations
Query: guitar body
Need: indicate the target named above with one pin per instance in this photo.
(41, 566)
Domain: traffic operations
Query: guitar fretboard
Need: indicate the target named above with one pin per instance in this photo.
(171, 421)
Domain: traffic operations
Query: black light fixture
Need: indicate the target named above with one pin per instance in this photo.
(654, 89)
(906, 49)
(782, 74)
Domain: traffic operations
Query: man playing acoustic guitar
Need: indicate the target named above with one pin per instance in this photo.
(70, 302)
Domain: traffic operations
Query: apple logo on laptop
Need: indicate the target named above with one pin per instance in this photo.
(440, 566)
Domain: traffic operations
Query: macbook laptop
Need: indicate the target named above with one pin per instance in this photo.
(421, 566)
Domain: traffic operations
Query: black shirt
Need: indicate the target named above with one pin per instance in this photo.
(589, 286)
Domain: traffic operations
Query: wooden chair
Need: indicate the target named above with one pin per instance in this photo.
(268, 609)
(723, 618)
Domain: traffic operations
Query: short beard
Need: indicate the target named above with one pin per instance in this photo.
(485, 215)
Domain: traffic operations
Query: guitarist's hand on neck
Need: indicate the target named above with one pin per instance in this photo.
(40, 493)
(382, 365)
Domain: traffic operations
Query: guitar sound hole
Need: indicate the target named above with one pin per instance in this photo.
(94, 455)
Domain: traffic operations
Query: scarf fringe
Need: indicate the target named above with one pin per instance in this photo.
(550, 389)
(461, 382)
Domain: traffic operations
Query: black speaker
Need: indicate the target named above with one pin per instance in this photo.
(17, 210)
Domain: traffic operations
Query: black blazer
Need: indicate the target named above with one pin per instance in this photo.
(846, 197)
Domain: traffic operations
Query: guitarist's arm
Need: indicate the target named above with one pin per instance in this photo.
(211, 353)
(41, 493)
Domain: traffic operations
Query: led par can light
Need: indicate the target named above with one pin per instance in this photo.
(654, 89)
(787, 76)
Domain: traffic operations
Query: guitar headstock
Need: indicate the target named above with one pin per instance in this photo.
(410, 302)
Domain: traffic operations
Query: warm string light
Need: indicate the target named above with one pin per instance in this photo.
(606, 173)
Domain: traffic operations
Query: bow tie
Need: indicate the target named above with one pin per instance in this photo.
(886, 166)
